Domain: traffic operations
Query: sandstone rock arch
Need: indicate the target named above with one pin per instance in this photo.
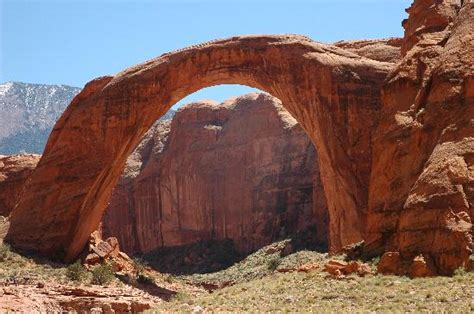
(334, 94)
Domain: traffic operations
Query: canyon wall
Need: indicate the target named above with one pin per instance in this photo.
(422, 183)
(243, 170)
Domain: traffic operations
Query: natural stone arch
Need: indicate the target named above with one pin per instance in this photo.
(334, 95)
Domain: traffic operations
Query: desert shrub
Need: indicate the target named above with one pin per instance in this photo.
(76, 272)
(139, 265)
(273, 263)
(145, 279)
(460, 271)
(375, 261)
(224, 252)
(58, 256)
(169, 278)
(181, 297)
(5, 252)
(102, 275)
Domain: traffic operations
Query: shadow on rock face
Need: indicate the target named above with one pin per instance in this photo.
(215, 255)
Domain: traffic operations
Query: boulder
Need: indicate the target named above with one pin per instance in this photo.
(341, 268)
(421, 267)
(390, 263)
(107, 252)
(305, 268)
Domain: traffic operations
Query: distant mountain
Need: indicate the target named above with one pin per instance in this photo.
(28, 112)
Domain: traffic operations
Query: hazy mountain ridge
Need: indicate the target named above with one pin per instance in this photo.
(28, 112)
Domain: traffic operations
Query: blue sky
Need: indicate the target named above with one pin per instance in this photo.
(73, 41)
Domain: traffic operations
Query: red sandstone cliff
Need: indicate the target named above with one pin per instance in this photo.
(14, 170)
(243, 170)
(421, 194)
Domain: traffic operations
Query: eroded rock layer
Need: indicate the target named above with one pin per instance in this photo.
(14, 170)
(242, 170)
(422, 182)
(387, 50)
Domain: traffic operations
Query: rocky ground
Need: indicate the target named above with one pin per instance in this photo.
(275, 278)
(110, 283)
(30, 284)
(267, 281)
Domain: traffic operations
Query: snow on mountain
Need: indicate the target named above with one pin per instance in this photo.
(28, 113)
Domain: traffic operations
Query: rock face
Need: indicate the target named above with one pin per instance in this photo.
(422, 183)
(241, 170)
(28, 112)
(14, 170)
(334, 94)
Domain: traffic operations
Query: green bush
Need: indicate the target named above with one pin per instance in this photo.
(102, 275)
(76, 272)
(274, 263)
(5, 251)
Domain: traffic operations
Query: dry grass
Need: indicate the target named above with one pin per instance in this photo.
(257, 265)
(259, 289)
(289, 292)
(24, 269)
(19, 268)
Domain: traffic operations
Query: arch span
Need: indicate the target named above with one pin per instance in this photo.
(334, 95)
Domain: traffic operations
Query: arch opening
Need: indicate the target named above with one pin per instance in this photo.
(218, 93)
(322, 86)
(241, 173)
